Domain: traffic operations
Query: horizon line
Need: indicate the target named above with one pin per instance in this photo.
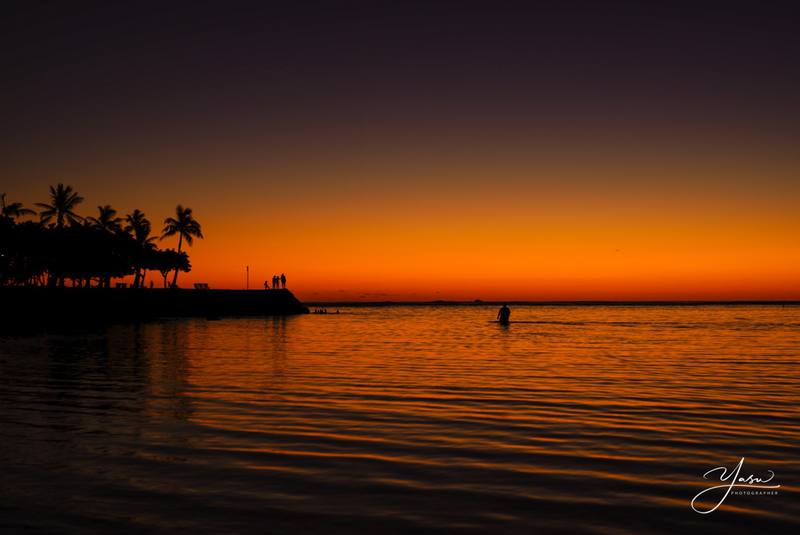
(577, 302)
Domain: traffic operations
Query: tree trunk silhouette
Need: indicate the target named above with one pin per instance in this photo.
(175, 278)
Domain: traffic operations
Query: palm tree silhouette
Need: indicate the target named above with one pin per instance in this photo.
(139, 227)
(108, 223)
(13, 210)
(63, 200)
(106, 220)
(185, 226)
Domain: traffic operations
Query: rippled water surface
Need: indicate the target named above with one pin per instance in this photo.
(391, 419)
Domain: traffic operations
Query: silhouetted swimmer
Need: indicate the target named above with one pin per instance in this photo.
(504, 315)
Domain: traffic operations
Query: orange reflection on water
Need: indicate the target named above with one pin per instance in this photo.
(426, 416)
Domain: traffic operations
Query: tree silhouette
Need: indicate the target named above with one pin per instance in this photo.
(14, 210)
(63, 201)
(185, 226)
(167, 261)
(58, 248)
(139, 227)
(106, 219)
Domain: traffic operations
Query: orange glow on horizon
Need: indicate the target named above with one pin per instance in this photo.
(525, 153)
(503, 252)
(440, 229)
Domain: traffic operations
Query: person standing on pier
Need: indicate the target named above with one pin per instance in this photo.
(283, 280)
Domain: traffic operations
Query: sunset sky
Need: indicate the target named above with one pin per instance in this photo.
(409, 151)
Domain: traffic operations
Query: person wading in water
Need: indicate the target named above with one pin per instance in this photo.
(504, 315)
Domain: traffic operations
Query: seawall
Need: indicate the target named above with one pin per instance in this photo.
(32, 306)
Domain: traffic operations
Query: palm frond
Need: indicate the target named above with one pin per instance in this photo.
(168, 231)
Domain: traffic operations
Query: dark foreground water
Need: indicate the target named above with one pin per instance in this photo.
(383, 420)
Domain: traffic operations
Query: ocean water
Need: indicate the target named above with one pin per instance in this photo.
(398, 419)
